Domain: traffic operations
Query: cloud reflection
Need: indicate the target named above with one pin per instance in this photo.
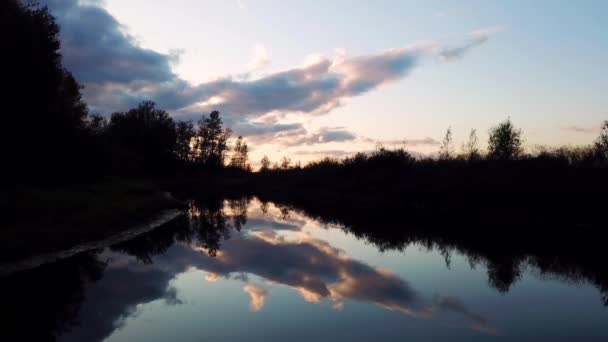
(318, 271)
(258, 296)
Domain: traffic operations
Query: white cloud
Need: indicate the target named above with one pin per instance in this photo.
(260, 58)
(258, 296)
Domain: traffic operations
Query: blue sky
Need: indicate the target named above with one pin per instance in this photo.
(313, 78)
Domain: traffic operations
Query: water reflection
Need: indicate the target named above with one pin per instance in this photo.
(265, 247)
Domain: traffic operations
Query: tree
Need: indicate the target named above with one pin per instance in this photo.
(45, 115)
(97, 125)
(265, 164)
(505, 141)
(285, 163)
(470, 149)
(240, 157)
(212, 140)
(601, 143)
(446, 150)
(184, 132)
(147, 133)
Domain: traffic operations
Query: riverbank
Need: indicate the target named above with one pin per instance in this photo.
(44, 219)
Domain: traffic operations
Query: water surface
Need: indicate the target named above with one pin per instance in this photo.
(251, 271)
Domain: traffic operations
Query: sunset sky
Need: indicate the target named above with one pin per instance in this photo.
(315, 78)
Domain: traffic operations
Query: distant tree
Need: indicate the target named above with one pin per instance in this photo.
(470, 149)
(184, 133)
(601, 143)
(446, 150)
(265, 164)
(285, 163)
(240, 156)
(212, 140)
(505, 141)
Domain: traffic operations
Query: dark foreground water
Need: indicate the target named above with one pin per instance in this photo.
(249, 271)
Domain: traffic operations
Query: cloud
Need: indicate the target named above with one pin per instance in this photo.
(346, 153)
(260, 132)
(292, 134)
(258, 296)
(328, 153)
(260, 58)
(97, 50)
(584, 129)
(259, 223)
(317, 271)
(409, 142)
(478, 37)
(212, 277)
(118, 73)
(241, 4)
(323, 136)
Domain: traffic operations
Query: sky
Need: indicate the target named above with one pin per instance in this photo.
(313, 78)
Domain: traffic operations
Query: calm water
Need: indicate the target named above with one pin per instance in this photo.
(247, 271)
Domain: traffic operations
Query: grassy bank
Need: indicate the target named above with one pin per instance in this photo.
(42, 219)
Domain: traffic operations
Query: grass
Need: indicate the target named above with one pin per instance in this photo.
(44, 219)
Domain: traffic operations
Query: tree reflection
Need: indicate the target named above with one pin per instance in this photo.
(238, 208)
(156, 242)
(44, 303)
(56, 292)
(205, 225)
(50, 297)
(553, 246)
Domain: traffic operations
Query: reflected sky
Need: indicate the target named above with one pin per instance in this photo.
(265, 272)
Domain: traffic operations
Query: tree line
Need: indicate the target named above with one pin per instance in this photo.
(505, 144)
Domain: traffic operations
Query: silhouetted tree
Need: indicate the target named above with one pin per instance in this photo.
(147, 134)
(446, 150)
(470, 149)
(265, 164)
(44, 114)
(240, 156)
(285, 163)
(601, 143)
(505, 141)
(97, 125)
(185, 132)
(212, 140)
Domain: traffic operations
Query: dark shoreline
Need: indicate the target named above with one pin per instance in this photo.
(42, 220)
(127, 234)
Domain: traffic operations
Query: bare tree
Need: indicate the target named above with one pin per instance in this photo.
(446, 150)
(470, 149)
